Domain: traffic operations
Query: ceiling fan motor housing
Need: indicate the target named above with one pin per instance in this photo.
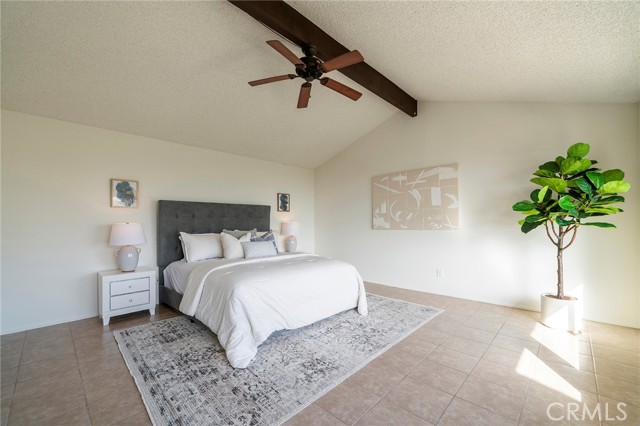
(311, 69)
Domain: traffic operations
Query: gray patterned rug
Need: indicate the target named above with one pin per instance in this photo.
(185, 379)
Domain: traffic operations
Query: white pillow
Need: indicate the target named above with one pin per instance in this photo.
(232, 246)
(259, 249)
(200, 246)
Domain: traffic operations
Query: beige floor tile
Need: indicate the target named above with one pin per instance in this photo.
(6, 398)
(619, 413)
(469, 347)
(141, 418)
(519, 333)
(33, 403)
(618, 389)
(385, 413)
(93, 371)
(503, 401)
(400, 359)
(40, 350)
(625, 372)
(430, 335)
(537, 412)
(313, 416)
(39, 370)
(501, 375)
(111, 403)
(10, 356)
(514, 344)
(464, 413)
(560, 392)
(619, 355)
(347, 402)
(445, 378)
(523, 362)
(551, 373)
(570, 358)
(478, 335)
(8, 376)
(47, 334)
(420, 399)
(13, 338)
(376, 379)
(484, 324)
(89, 351)
(454, 359)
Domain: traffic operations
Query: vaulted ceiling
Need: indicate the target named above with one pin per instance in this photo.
(178, 71)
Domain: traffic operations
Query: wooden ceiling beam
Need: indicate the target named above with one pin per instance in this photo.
(293, 26)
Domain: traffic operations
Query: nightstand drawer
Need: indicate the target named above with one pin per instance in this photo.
(129, 286)
(128, 300)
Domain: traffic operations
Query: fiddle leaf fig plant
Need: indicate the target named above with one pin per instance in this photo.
(572, 194)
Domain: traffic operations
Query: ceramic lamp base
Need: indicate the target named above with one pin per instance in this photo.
(127, 257)
(291, 244)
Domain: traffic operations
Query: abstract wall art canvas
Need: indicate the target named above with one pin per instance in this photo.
(416, 199)
(124, 193)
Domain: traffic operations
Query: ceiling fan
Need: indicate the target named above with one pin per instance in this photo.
(309, 67)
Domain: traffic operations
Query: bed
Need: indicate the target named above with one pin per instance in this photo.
(243, 301)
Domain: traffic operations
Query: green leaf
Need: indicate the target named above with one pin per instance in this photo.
(578, 150)
(614, 174)
(534, 218)
(562, 222)
(573, 165)
(556, 184)
(584, 184)
(542, 193)
(615, 187)
(609, 200)
(523, 206)
(599, 224)
(603, 209)
(550, 166)
(544, 173)
(597, 179)
(559, 159)
(529, 226)
(566, 203)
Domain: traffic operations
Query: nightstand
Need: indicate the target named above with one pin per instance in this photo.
(125, 292)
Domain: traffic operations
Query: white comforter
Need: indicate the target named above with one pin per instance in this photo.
(243, 302)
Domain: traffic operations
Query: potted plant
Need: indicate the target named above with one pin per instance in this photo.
(573, 192)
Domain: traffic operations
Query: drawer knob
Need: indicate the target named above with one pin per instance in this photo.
(130, 286)
(130, 300)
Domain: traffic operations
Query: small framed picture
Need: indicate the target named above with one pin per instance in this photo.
(124, 193)
(284, 202)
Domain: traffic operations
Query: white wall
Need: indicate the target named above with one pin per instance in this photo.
(56, 216)
(497, 146)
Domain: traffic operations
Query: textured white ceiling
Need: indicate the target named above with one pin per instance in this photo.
(178, 71)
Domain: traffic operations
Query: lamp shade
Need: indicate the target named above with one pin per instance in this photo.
(290, 228)
(125, 234)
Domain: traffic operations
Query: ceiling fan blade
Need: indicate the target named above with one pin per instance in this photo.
(272, 79)
(342, 61)
(305, 94)
(284, 51)
(341, 88)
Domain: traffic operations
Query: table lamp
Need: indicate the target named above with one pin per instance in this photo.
(126, 235)
(290, 229)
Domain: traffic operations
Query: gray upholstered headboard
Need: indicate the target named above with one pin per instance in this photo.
(199, 218)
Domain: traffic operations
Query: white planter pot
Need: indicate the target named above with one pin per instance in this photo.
(561, 314)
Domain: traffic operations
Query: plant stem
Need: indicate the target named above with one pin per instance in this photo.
(561, 235)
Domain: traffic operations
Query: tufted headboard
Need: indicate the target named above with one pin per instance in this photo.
(199, 218)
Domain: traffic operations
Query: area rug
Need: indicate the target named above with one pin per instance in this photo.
(185, 379)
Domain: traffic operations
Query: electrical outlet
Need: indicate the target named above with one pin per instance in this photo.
(439, 273)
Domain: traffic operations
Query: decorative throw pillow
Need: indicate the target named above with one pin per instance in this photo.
(255, 249)
(200, 246)
(232, 246)
(266, 236)
(238, 234)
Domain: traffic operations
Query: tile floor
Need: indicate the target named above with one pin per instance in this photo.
(476, 364)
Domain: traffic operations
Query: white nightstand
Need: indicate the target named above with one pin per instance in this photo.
(124, 292)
